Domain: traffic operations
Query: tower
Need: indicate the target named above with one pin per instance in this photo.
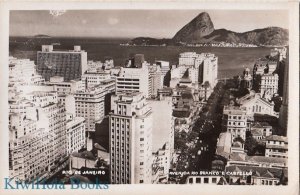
(130, 132)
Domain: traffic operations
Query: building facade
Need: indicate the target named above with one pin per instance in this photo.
(37, 143)
(276, 146)
(130, 139)
(68, 64)
(235, 121)
(75, 135)
(134, 80)
(90, 105)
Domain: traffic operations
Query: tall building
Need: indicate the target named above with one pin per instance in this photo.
(265, 79)
(68, 64)
(283, 114)
(187, 59)
(130, 139)
(155, 79)
(163, 134)
(37, 142)
(90, 105)
(75, 127)
(22, 72)
(206, 65)
(134, 80)
(268, 85)
(75, 136)
(164, 66)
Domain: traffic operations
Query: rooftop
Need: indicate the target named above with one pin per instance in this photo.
(261, 125)
(85, 154)
(277, 138)
(258, 171)
(265, 159)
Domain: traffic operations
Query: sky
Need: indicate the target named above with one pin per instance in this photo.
(135, 23)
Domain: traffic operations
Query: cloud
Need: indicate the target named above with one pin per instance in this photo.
(113, 21)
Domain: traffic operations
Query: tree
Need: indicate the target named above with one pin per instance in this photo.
(250, 145)
(238, 139)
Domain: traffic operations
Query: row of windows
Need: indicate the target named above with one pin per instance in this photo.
(266, 182)
(205, 180)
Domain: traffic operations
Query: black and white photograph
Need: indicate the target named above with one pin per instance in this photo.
(101, 97)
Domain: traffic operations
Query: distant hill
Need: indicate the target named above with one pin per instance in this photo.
(42, 36)
(201, 30)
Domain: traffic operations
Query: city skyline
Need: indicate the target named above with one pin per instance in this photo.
(126, 24)
(149, 112)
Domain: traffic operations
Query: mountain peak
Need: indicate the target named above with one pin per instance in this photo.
(201, 30)
(199, 27)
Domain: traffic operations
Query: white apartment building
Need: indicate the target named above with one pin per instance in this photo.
(268, 85)
(76, 139)
(64, 87)
(90, 79)
(209, 69)
(164, 66)
(235, 121)
(276, 146)
(22, 72)
(206, 65)
(90, 105)
(187, 58)
(134, 80)
(155, 79)
(177, 72)
(37, 136)
(130, 132)
(163, 130)
(29, 154)
(162, 159)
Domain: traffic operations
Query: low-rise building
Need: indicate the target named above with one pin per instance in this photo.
(261, 130)
(206, 180)
(251, 175)
(235, 121)
(276, 146)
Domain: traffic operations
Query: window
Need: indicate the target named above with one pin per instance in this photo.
(141, 163)
(198, 180)
(190, 180)
(141, 139)
(141, 181)
(205, 180)
(214, 180)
